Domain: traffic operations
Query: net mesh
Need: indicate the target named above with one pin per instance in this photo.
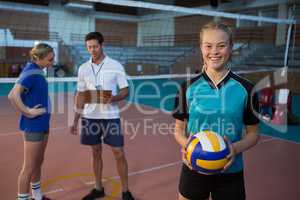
(147, 38)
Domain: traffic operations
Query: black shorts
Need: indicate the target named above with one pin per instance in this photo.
(196, 186)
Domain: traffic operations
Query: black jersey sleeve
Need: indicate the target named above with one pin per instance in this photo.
(180, 103)
(251, 108)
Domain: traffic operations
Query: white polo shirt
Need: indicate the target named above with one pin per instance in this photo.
(108, 75)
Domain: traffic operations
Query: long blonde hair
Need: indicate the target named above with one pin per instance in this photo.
(40, 51)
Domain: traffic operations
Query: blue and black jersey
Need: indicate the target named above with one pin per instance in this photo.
(224, 108)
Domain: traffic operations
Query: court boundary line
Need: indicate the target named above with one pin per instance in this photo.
(146, 170)
(54, 191)
(62, 127)
(143, 171)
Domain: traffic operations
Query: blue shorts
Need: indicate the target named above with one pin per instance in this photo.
(93, 131)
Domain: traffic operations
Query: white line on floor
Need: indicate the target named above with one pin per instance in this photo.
(130, 174)
(143, 171)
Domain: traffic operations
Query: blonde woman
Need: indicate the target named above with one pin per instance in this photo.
(30, 97)
(221, 101)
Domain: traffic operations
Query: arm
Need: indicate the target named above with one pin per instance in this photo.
(251, 124)
(81, 97)
(79, 105)
(108, 98)
(14, 97)
(123, 86)
(181, 116)
(249, 140)
(179, 134)
(182, 140)
(123, 93)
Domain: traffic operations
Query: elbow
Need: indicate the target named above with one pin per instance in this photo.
(126, 93)
(257, 139)
(181, 140)
(175, 135)
(10, 96)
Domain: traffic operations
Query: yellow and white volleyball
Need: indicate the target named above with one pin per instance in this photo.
(206, 152)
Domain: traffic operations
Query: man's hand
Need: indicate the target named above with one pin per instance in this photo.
(101, 96)
(106, 98)
(74, 129)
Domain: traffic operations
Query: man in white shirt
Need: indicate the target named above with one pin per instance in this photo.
(100, 120)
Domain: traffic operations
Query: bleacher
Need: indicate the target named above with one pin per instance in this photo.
(160, 56)
(259, 56)
(246, 56)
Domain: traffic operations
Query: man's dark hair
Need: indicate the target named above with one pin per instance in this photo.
(94, 36)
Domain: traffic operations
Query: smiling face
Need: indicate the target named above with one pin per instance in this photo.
(216, 48)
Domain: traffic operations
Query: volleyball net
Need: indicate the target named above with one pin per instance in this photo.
(147, 38)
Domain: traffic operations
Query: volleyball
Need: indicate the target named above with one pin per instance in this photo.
(206, 152)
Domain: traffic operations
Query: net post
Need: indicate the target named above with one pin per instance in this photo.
(288, 44)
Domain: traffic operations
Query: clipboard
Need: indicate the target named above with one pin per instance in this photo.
(94, 96)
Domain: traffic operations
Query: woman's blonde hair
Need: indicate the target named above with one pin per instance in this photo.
(40, 51)
(219, 26)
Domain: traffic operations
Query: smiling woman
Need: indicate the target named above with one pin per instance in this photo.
(206, 103)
